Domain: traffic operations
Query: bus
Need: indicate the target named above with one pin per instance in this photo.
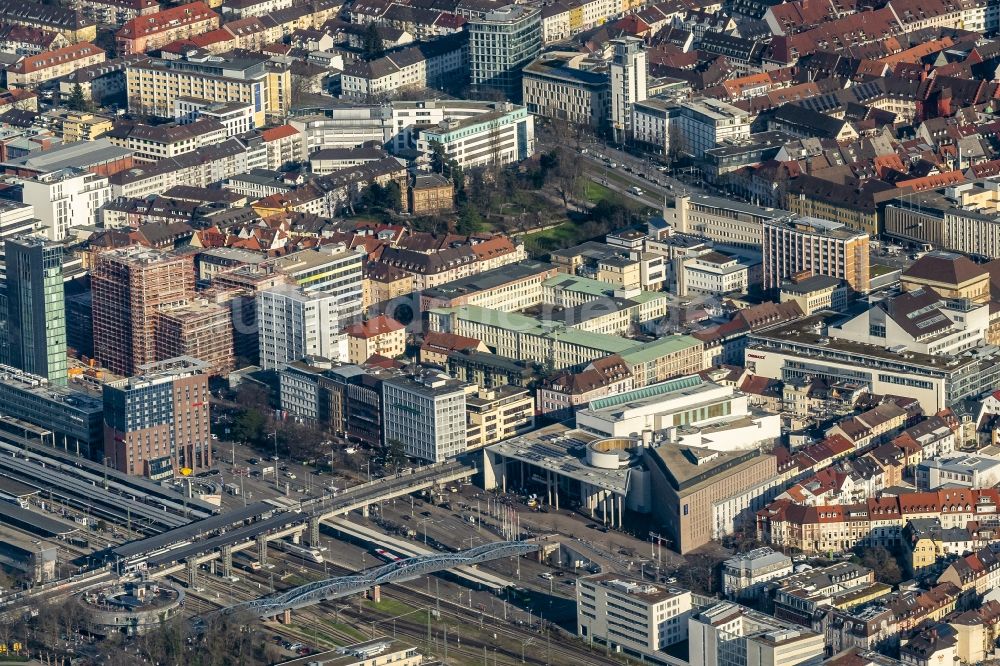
(310, 554)
(383, 554)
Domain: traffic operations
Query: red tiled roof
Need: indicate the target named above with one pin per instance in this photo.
(379, 325)
(438, 341)
(281, 132)
(168, 19)
(494, 247)
(56, 57)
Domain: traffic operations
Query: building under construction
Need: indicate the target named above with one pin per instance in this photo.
(201, 330)
(130, 285)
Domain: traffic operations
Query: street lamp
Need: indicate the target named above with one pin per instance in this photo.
(275, 459)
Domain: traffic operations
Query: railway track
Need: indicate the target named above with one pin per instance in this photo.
(552, 649)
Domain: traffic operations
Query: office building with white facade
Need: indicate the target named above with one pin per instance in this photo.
(705, 123)
(427, 413)
(745, 574)
(710, 273)
(728, 634)
(501, 136)
(292, 323)
(688, 411)
(330, 269)
(630, 615)
(65, 199)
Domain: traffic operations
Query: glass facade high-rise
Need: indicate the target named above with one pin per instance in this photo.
(35, 308)
(501, 44)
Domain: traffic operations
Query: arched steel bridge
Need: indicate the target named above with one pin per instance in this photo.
(342, 586)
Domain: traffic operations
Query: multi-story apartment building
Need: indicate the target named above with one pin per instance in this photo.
(427, 414)
(856, 206)
(65, 199)
(50, 65)
(651, 124)
(384, 283)
(241, 9)
(816, 246)
(293, 323)
(74, 417)
(497, 414)
(100, 83)
(500, 137)
(628, 82)
(16, 219)
(84, 126)
(561, 395)
(878, 521)
(561, 20)
(200, 330)
(501, 44)
(151, 31)
(34, 309)
(154, 85)
(199, 168)
(67, 21)
(558, 86)
(412, 67)
(130, 286)
(800, 596)
(631, 615)
(117, 12)
(380, 335)
(157, 423)
(150, 143)
(21, 41)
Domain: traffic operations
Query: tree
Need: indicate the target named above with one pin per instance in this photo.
(396, 454)
(248, 426)
(883, 562)
(439, 159)
(469, 220)
(388, 197)
(76, 100)
(302, 442)
(392, 196)
(253, 395)
(372, 46)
